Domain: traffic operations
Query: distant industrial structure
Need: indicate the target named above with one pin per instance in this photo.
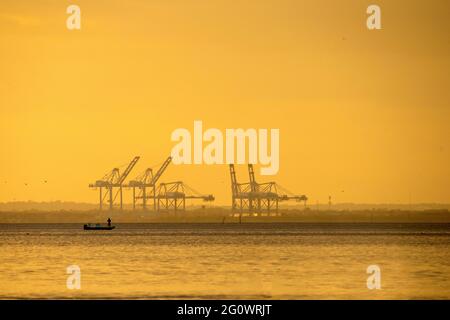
(254, 197)
(146, 181)
(113, 179)
(165, 197)
(249, 197)
(172, 196)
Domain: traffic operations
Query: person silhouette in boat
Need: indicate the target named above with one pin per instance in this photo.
(109, 222)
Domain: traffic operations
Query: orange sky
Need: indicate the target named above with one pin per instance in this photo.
(363, 115)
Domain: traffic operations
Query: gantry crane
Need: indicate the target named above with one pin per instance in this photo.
(240, 193)
(265, 195)
(113, 179)
(173, 195)
(141, 182)
(147, 180)
(258, 197)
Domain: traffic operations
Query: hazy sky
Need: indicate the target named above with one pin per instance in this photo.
(363, 115)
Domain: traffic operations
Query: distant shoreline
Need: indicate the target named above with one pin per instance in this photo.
(225, 216)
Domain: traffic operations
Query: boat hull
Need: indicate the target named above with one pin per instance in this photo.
(86, 227)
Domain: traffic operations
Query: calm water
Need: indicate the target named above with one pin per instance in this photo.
(294, 261)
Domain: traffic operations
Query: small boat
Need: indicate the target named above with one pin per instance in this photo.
(97, 226)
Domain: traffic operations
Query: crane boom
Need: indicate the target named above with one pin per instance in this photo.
(127, 171)
(208, 197)
(160, 171)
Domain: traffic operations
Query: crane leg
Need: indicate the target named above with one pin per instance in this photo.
(144, 201)
(101, 199)
(110, 198)
(121, 199)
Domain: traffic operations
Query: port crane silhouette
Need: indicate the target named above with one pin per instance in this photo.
(166, 197)
(143, 182)
(112, 182)
(172, 196)
(254, 197)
